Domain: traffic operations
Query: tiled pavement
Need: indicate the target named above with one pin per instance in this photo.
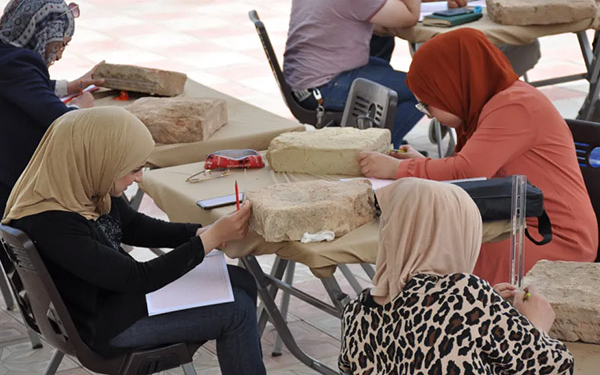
(214, 42)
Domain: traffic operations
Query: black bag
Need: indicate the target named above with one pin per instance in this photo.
(493, 198)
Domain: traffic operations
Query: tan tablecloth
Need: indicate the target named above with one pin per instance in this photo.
(248, 127)
(176, 197)
(497, 33)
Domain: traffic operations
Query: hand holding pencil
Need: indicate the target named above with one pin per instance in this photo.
(534, 306)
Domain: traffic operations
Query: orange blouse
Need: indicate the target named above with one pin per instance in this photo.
(519, 131)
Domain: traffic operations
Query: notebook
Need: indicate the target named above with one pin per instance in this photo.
(443, 21)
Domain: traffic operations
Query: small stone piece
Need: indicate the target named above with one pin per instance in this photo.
(573, 290)
(283, 212)
(540, 12)
(180, 120)
(140, 79)
(325, 151)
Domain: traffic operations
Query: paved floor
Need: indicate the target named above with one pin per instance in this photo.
(214, 42)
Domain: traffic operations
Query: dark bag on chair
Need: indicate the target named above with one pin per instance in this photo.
(493, 198)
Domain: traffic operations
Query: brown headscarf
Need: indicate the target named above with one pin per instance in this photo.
(426, 227)
(77, 162)
(459, 72)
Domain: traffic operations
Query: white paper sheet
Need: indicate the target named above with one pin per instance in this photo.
(207, 284)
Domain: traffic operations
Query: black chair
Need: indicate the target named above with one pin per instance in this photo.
(370, 105)
(44, 312)
(586, 135)
(305, 116)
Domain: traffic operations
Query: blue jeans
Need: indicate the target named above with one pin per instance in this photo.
(335, 93)
(233, 325)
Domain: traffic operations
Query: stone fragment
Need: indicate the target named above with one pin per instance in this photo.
(140, 79)
(284, 212)
(180, 120)
(325, 151)
(540, 12)
(573, 290)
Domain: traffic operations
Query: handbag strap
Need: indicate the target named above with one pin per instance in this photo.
(544, 229)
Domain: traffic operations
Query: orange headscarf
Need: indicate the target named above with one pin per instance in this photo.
(459, 72)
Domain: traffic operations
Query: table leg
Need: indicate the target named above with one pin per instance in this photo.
(263, 282)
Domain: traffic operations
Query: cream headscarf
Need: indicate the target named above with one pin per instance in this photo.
(426, 227)
(77, 162)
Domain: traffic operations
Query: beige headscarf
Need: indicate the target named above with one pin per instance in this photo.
(77, 162)
(426, 227)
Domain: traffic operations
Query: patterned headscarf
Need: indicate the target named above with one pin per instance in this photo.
(459, 72)
(32, 24)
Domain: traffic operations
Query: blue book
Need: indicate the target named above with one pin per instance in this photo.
(447, 21)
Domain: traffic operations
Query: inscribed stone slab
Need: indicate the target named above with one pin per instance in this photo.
(573, 290)
(140, 79)
(180, 120)
(284, 212)
(540, 12)
(325, 151)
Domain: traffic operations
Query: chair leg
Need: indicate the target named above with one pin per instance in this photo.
(8, 298)
(350, 277)
(188, 368)
(369, 270)
(36, 342)
(54, 362)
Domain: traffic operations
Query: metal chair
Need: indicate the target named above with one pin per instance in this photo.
(370, 105)
(305, 116)
(586, 135)
(45, 312)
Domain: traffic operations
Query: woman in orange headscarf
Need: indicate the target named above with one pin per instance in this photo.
(504, 127)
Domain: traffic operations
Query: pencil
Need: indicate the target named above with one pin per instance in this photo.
(526, 296)
(80, 86)
(237, 196)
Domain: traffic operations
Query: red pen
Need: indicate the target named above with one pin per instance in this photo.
(237, 196)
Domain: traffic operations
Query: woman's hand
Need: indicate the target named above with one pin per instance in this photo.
(457, 3)
(85, 100)
(233, 226)
(406, 152)
(75, 87)
(378, 165)
(506, 290)
(533, 305)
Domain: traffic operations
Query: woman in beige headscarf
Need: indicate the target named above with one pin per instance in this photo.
(426, 312)
(68, 201)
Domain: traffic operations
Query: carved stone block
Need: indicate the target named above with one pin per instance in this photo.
(284, 212)
(540, 12)
(573, 290)
(140, 79)
(180, 120)
(325, 151)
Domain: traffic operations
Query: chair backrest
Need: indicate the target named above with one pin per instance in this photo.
(46, 313)
(586, 135)
(305, 116)
(370, 105)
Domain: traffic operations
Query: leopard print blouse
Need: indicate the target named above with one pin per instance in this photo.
(456, 324)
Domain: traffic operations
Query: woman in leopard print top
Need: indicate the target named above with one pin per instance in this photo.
(427, 313)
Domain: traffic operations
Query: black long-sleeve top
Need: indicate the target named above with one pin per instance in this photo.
(104, 288)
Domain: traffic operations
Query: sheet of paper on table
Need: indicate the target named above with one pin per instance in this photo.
(207, 284)
(436, 6)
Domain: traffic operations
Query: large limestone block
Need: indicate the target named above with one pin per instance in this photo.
(325, 151)
(180, 120)
(573, 290)
(284, 212)
(540, 12)
(140, 79)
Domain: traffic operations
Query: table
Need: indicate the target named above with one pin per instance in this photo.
(518, 35)
(248, 127)
(175, 196)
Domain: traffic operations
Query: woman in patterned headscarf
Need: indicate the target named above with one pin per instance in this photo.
(33, 35)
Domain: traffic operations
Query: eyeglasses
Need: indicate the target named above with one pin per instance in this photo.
(423, 108)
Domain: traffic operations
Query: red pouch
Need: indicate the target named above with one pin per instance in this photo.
(244, 158)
